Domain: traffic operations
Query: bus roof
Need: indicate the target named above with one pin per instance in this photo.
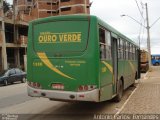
(99, 21)
(66, 17)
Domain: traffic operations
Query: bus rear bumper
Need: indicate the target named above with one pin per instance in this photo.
(65, 95)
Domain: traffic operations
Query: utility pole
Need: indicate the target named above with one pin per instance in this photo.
(148, 33)
(148, 38)
(4, 53)
(139, 41)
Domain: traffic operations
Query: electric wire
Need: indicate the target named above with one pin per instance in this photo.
(141, 30)
(144, 22)
(139, 9)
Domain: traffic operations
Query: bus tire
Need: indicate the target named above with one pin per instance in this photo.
(136, 76)
(119, 91)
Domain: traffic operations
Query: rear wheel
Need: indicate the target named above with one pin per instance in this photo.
(119, 91)
(5, 82)
(136, 76)
(23, 80)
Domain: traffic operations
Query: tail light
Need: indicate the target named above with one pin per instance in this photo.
(80, 88)
(38, 85)
(86, 88)
(34, 85)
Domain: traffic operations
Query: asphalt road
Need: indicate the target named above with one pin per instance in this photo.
(14, 101)
(13, 94)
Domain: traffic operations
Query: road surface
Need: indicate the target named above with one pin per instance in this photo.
(15, 101)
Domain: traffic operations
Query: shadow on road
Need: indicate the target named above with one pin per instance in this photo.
(82, 110)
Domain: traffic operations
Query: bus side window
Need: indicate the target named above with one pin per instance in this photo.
(120, 49)
(157, 58)
(134, 53)
(126, 50)
(108, 44)
(102, 43)
(121, 45)
(105, 44)
(129, 57)
(130, 52)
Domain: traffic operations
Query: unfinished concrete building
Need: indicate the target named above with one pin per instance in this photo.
(13, 41)
(34, 9)
(14, 25)
(74, 7)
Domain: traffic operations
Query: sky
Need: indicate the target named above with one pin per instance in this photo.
(111, 10)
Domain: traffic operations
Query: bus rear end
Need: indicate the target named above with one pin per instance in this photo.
(61, 59)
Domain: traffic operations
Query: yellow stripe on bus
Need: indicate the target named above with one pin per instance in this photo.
(108, 66)
(110, 69)
(132, 66)
(46, 61)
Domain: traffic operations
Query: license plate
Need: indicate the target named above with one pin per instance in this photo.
(58, 86)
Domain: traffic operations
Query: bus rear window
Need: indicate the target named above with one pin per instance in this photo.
(60, 36)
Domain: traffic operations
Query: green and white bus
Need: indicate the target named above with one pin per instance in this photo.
(79, 58)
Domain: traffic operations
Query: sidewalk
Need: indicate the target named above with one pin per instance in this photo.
(146, 98)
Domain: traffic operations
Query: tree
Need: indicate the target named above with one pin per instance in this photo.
(6, 6)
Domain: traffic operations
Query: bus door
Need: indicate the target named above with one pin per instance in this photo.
(106, 70)
(115, 62)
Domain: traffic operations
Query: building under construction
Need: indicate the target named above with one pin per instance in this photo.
(14, 25)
